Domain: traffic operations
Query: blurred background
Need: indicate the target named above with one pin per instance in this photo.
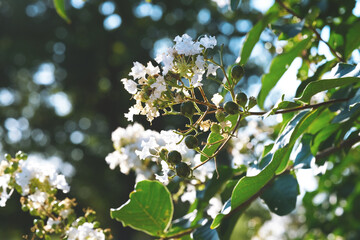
(61, 95)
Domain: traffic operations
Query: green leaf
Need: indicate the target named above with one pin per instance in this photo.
(234, 4)
(278, 67)
(254, 34)
(345, 70)
(246, 188)
(323, 85)
(150, 209)
(281, 195)
(304, 155)
(288, 30)
(205, 232)
(352, 39)
(215, 137)
(60, 9)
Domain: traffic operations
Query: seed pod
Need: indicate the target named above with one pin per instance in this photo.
(187, 109)
(174, 157)
(231, 108)
(191, 141)
(241, 99)
(220, 115)
(182, 169)
(252, 102)
(237, 72)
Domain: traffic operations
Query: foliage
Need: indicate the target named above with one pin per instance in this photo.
(320, 127)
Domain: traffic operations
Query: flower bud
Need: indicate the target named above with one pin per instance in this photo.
(220, 115)
(174, 157)
(191, 141)
(187, 109)
(182, 169)
(231, 108)
(237, 72)
(252, 102)
(241, 99)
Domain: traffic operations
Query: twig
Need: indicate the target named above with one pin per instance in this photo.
(343, 144)
(302, 107)
(336, 54)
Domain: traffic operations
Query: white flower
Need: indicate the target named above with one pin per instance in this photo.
(165, 170)
(189, 195)
(151, 70)
(132, 111)
(4, 184)
(167, 59)
(205, 125)
(42, 172)
(185, 45)
(129, 85)
(211, 70)
(138, 71)
(200, 62)
(208, 42)
(216, 99)
(215, 206)
(85, 231)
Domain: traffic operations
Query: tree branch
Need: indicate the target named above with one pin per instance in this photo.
(336, 54)
(346, 143)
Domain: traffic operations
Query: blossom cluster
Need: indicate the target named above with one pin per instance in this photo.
(183, 66)
(139, 150)
(38, 184)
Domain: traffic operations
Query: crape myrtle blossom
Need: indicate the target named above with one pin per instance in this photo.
(139, 150)
(38, 181)
(183, 68)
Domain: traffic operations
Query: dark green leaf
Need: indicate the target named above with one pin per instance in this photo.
(304, 155)
(254, 34)
(281, 195)
(288, 30)
(182, 225)
(234, 4)
(205, 232)
(150, 209)
(352, 39)
(278, 67)
(323, 85)
(345, 70)
(60, 9)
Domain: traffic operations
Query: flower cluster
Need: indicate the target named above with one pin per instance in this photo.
(38, 184)
(183, 67)
(141, 150)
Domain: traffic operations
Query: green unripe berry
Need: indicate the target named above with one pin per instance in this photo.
(215, 128)
(220, 115)
(182, 169)
(174, 157)
(7, 156)
(191, 141)
(237, 72)
(241, 99)
(252, 102)
(163, 154)
(231, 108)
(187, 109)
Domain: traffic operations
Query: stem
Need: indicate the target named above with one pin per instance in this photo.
(176, 236)
(222, 145)
(343, 144)
(302, 107)
(336, 54)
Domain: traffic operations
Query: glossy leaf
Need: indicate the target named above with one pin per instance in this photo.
(304, 156)
(205, 232)
(278, 67)
(254, 34)
(234, 4)
(60, 9)
(281, 196)
(352, 39)
(150, 208)
(323, 85)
